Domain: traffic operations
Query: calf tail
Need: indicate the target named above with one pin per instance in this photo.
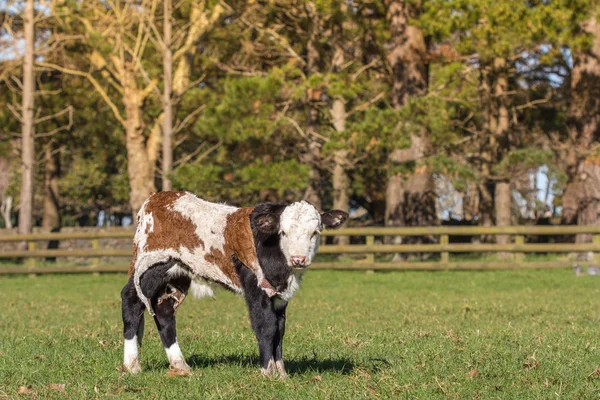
(133, 260)
(137, 275)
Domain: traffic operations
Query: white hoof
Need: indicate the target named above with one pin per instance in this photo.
(281, 369)
(180, 365)
(133, 367)
(274, 370)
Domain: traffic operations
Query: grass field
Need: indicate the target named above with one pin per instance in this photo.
(506, 334)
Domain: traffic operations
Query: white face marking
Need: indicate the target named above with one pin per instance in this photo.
(300, 227)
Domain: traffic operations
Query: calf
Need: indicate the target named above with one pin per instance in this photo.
(185, 244)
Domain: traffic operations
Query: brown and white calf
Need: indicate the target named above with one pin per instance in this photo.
(185, 244)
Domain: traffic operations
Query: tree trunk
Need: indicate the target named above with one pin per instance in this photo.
(140, 163)
(341, 188)
(313, 191)
(408, 53)
(581, 198)
(167, 122)
(502, 200)
(502, 197)
(394, 195)
(470, 202)
(5, 201)
(409, 201)
(51, 219)
(341, 181)
(200, 22)
(486, 208)
(6, 210)
(313, 158)
(27, 127)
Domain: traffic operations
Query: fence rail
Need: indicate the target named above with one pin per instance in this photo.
(369, 249)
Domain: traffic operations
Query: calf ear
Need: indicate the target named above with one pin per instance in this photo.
(265, 218)
(266, 223)
(333, 219)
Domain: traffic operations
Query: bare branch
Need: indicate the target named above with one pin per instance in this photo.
(364, 106)
(68, 110)
(150, 88)
(42, 154)
(200, 25)
(186, 121)
(192, 84)
(181, 140)
(364, 68)
(188, 157)
(18, 82)
(282, 41)
(59, 129)
(94, 83)
(231, 70)
(532, 103)
(201, 157)
(15, 112)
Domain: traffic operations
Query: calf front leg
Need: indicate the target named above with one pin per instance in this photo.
(279, 308)
(266, 322)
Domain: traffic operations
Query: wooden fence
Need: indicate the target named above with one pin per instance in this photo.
(373, 245)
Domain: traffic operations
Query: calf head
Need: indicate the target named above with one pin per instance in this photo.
(289, 235)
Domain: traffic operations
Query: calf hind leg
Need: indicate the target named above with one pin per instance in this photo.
(166, 291)
(133, 326)
(165, 322)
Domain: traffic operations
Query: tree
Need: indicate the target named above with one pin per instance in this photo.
(116, 44)
(167, 127)
(581, 197)
(27, 122)
(499, 53)
(410, 196)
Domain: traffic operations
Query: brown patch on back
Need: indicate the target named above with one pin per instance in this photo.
(171, 229)
(239, 241)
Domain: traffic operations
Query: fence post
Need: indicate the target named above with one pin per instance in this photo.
(96, 246)
(31, 247)
(596, 240)
(370, 242)
(519, 240)
(445, 240)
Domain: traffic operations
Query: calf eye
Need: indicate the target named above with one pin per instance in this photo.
(282, 233)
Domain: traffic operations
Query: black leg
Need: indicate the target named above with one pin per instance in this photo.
(166, 293)
(279, 307)
(266, 321)
(133, 326)
(164, 317)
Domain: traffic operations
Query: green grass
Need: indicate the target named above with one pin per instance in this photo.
(522, 334)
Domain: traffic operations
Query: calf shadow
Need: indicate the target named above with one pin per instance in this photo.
(293, 366)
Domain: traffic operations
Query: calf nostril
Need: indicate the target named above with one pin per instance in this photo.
(298, 260)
